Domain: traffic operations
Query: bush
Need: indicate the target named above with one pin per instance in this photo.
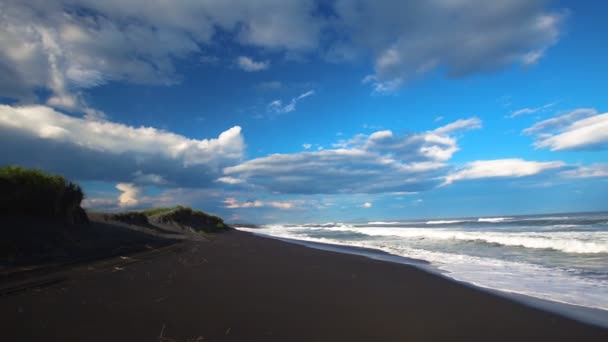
(39, 194)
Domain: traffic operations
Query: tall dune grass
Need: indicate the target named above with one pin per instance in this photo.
(38, 194)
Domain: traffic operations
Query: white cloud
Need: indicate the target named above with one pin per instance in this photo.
(410, 39)
(230, 180)
(581, 129)
(590, 171)
(459, 125)
(523, 111)
(383, 87)
(307, 146)
(82, 147)
(380, 162)
(100, 203)
(278, 107)
(233, 203)
(305, 95)
(589, 133)
(106, 136)
(501, 168)
(247, 64)
(526, 111)
(435, 145)
(560, 122)
(69, 45)
(438, 118)
(129, 195)
(367, 205)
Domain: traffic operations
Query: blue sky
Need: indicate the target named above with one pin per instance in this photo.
(294, 111)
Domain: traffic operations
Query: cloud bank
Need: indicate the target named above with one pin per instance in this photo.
(379, 162)
(409, 39)
(102, 150)
(68, 46)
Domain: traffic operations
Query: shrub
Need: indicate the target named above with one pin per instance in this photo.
(38, 194)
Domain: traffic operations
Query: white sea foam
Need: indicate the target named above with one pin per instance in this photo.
(444, 221)
(493, 219)
(539, 281)
(577, 242)
(568, 242)
(562, 258)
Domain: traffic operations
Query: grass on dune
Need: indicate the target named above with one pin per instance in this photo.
(179, 215)
(36, 193)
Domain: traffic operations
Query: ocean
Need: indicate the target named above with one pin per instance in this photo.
(558, 257)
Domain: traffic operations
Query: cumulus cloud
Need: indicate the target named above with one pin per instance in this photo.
(590, 171)
(278, 107)
(581, 129)
(379, 162)
(501, 168)
(248, 64)
(436, 145)
(103, 150)
(68, 45)
(367, 205)
(129, 195)
(409, 39)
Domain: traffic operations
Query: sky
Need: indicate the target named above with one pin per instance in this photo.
(281, 111)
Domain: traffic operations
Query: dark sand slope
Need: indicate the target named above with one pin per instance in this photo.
(239, 287)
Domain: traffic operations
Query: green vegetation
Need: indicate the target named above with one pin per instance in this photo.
(194, 219)
(156, 211)
(35, 193)
(181, 216)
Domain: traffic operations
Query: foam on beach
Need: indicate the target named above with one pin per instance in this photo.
(557, 258)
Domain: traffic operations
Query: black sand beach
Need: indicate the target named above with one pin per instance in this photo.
(241, 287)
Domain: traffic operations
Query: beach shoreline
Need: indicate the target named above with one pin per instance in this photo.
(580, 313)
(242, 287)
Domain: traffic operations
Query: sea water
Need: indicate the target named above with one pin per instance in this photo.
(558, 257)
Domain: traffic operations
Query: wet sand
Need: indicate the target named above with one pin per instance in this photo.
(241, 287)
